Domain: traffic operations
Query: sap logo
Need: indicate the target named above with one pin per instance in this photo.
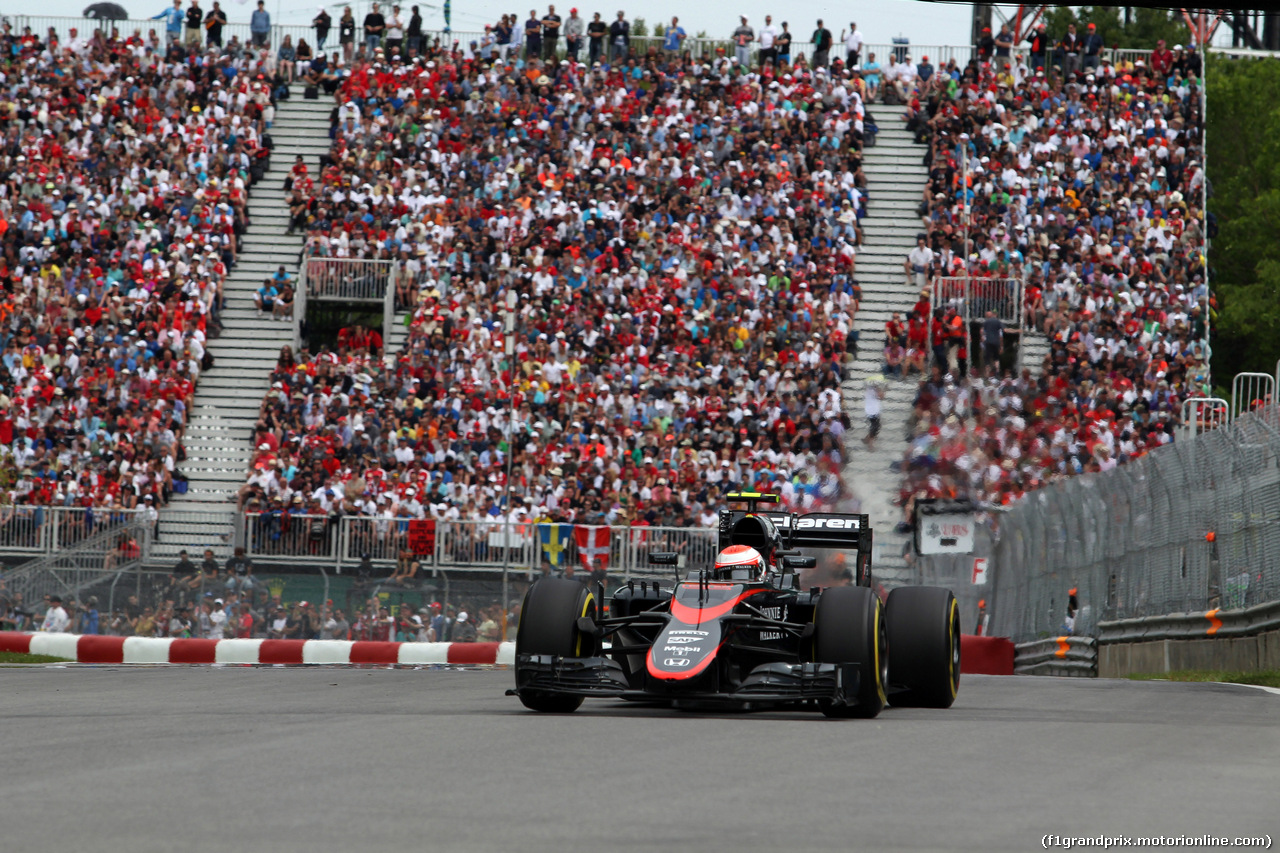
(680, 639)
(676, 662)
(828, 523)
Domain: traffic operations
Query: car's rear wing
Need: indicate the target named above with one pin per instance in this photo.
(773, 529)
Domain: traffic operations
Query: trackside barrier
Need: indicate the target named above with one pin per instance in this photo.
(1062, 656)
(1243, 640)
(1206, 624)
(986, 655)
(156, 650)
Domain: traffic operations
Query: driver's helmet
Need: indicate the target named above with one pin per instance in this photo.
(740, 562)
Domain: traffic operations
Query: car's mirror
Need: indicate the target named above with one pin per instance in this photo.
(799, 562)
(663, 558)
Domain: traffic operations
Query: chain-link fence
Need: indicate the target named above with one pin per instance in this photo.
(1188, 527)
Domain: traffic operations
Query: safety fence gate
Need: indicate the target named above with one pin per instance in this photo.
(324, 279)
(974, 297)
(1204, 414)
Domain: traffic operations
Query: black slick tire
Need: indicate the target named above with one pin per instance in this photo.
(849, 627)
(549, 626)
(924, 647)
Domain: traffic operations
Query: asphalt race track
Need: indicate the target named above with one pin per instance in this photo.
(313, 759)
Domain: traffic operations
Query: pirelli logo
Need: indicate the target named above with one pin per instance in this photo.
(805, 523)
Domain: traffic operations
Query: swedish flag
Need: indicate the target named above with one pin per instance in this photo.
(554, 539)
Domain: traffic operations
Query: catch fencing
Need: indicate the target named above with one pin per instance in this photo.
(1190, 527)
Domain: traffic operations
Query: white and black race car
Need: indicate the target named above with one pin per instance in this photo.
(742, 632)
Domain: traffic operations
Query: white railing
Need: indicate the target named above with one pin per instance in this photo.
(43, 530)
(347, 279)
(340, 544)
(704, 49)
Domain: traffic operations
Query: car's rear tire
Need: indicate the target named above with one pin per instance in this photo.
(924, 646)
(849, 627)
(549, 626)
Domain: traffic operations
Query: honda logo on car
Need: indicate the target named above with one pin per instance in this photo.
(677, 662)
(828, 523)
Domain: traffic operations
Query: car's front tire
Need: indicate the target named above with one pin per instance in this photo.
(549, 626)
(924, 646)
(849, 627)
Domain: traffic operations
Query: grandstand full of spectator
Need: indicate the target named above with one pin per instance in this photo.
(1086, 178)
(680, 240)
(127, 167)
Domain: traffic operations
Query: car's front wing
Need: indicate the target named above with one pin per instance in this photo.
(770, 683)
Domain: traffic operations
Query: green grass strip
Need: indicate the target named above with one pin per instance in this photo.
(1267, 678)
(19, 657)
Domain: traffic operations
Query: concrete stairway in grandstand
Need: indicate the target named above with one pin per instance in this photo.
(1032, 350)
(220, 432)
(896, 178)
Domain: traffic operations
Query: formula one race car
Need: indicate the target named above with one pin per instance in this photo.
(742, 633)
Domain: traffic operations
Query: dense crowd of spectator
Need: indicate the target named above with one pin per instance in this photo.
(679, 242)
(1085, 177)
(126, 165)
(199, 605)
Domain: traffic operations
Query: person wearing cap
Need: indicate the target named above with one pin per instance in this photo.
(322, 22)
(853, 41)
(217, 629)
(56, 620)
(1161, 60)
(464, 630)
(1091, 48)
(986, 45)
(574, 28)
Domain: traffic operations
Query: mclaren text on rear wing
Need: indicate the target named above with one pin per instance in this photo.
(830, 530)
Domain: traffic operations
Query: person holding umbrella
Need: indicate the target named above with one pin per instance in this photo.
(322, 23)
